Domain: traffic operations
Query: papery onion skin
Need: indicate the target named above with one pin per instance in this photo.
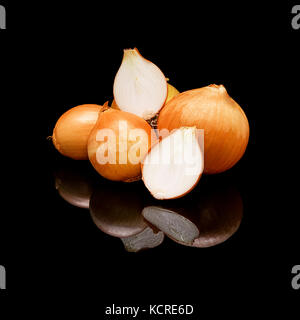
(110, 119)
(72, 130)
(114, 105)
(226, 127)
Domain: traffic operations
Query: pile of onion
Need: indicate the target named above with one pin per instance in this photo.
(118, 143)
(118, 140)
(226, 128)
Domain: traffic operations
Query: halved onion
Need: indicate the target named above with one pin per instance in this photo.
(173, 167)
(139, 86)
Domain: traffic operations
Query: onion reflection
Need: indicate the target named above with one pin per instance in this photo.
(147, 239)
(209, 220)
(74, 183)
(208, 216)
(116, 209)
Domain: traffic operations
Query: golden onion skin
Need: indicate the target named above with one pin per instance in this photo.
(109, 119)
(226, 127)
(172, 92)
(72, 130)
(114, 105)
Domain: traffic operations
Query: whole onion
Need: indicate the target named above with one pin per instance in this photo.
(118, 143)
(73, 128)
(226, 128)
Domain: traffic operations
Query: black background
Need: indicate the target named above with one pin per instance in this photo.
(55, 56)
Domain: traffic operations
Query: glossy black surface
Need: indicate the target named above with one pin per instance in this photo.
(54, 57)
(215, 208)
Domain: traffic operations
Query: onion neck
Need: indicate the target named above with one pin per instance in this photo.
(130, 54)
(219, 88)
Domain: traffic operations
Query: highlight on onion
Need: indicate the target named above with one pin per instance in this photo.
(73, 128)
(209, 218)
(118, 143)
(173, 167)
(74, 183)
(147, 239)
(139, 86)
(116, 209)
(226, 128)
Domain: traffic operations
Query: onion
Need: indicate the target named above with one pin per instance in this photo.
(173, 167)
(73, 128)
(226, 128)
(118, 143)
(172, 92)
(139, 86)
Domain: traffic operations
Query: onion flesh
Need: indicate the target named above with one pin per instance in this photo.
(174, 166)
(172, 92)
(139, 86)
